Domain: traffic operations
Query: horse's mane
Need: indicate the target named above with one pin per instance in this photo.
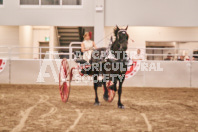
(116, 31)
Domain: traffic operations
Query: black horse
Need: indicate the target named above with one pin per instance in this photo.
(111, 69)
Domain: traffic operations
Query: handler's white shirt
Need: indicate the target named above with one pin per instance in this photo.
(87, 54)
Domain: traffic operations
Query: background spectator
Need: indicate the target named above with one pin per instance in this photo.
(169, 57)
(138, 55)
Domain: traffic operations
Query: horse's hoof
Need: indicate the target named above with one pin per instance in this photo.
(121, 106)
(97, 103)
(105, 97)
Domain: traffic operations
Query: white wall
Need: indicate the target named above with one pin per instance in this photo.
(12, 14)
(25, 40)
(151, 12)
(188, 45)
(55, 39)
(55, 42)
(132, 12)
(39, 34)
(26, 36)
(99, 24)
(9, 35)
(142, 34)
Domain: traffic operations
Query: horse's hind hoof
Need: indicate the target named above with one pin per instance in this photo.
(121, 107)
(97, 103)
(105, 97)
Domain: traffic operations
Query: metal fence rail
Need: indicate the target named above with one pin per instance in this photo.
(19, 52)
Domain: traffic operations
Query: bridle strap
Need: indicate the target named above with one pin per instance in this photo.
(122, 30)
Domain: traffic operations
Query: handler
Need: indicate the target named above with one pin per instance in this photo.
(87, 46)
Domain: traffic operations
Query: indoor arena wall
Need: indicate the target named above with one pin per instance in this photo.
(171, 74)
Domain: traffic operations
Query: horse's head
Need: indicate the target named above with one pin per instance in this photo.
(122, 36)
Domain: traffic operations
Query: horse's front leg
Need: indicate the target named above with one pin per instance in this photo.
(121, 80)
(106, 94)
(95, 79)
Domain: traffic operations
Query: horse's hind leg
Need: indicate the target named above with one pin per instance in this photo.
(96, 88)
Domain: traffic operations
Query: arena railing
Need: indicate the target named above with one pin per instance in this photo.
(10, 52)
(174, 53)
(51, 51)
(4, 52)
(22, 52)
(71, 47)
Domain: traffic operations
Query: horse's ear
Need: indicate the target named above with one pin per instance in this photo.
(117, 27)
(126, 27)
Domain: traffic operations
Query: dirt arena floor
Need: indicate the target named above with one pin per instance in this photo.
(37, 108)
